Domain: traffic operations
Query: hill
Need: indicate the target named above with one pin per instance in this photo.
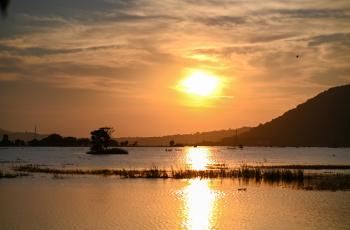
(25, 136)
(203, 138)
(322, 121)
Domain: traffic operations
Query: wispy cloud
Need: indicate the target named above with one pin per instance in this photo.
(129, 47)
(315, 13)
(40, 51)
(340, 38)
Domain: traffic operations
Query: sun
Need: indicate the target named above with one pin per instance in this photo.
(200, 83)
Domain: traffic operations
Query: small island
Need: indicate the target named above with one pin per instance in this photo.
(100, 140)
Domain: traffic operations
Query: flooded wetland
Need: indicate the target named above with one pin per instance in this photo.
(64, 199)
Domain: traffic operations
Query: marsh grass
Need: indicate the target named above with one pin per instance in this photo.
(291, 178)
(58, 176)
(305, 167)
(12, 175)
(332, 182)
(244, 172)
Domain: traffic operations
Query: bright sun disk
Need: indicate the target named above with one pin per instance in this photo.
(200, 83)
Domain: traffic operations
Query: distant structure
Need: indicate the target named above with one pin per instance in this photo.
(237, 142)
(4, 5)
(35, 132)
(236, 137)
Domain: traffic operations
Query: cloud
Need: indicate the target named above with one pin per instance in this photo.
(340, 38)
(272, 37)
(69, 74)
(98, 52)
(39, 51)
(134, 40)
(8, 77)
(314, 13)
(332, 76)
(221, 20)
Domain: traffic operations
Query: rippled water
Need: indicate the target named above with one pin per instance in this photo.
(110, 203)
(196, 158)
(95, 202)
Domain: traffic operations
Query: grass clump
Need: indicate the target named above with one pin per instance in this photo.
(301, 167)
(11, 175)
(283, 175)
(287, 176)
(243, 172)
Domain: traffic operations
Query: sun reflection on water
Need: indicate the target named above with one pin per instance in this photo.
(199, 201)
(198, 158)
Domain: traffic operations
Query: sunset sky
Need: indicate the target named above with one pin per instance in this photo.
(136, 65)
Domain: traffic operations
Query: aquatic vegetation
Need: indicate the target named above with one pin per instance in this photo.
(311, 167)
(333, 182)
(292, 178)
(12, 175)
(154, 172)
(58, 176)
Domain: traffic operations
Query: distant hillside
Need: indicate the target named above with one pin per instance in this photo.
(25, 136)
(204, 138)
(321, 121)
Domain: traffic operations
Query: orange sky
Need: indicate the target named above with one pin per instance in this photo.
(72, 66)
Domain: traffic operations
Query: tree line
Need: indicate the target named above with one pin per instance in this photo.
(56, 140)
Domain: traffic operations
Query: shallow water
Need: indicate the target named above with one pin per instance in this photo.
(195, 158)
(111, 203)
(44, 201)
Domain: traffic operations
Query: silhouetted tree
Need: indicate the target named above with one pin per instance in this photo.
(19, 142)
(70, 141)
(52, 140)
(5, 138)
(5, 141)
(124, 143)
(83, 142)
(172, 143)
(33, 142)
(4, 5)
(114, 143)
(101, 138)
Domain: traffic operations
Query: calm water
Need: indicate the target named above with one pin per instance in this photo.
(196, 158)
(96, 202)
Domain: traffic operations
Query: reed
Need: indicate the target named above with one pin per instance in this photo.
(295, 178)
(12, 175)
(305, 167)
(244, 172)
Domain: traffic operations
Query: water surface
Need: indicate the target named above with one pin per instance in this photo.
(44, 201)
(110, 203)
(195, 158)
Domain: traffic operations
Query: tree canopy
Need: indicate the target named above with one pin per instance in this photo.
(101, 138)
